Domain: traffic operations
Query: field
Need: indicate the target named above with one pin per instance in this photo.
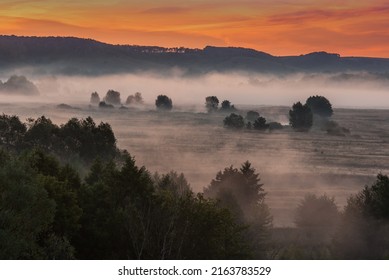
(291, 164)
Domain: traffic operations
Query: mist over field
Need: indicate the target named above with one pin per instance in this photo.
(190, 141)
(361, 90)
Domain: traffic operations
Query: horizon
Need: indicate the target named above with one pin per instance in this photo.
(281, 28)
(202, 48)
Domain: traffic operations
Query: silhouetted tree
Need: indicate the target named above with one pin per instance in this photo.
(163, 103)
(95, 98)
(226, 106)
(260, 124)
(112, 97)
(241, 192)
(300, 117)
(234, 121)
(211, 103)
(320, 106)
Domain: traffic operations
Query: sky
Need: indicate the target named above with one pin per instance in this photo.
(278, 27)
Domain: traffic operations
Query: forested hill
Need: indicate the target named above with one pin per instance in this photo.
(68, 55)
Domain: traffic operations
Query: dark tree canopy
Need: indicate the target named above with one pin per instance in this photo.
(260, 124)
(227, 106)
(320, 106)
(163, 102)
(241, 192)
(211, 103)
(234, 121)
(252, 115)
(12, 131)
(300, 117)
(372, 201)
(94, 98)
(112, 97)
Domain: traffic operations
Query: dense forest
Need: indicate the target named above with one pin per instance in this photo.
(68, 192)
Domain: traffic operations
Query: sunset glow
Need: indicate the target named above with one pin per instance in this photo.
(351, 28)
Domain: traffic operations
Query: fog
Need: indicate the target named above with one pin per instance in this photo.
(188, 140)
(360, 90)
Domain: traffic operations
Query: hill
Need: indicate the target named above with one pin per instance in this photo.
(73, 56)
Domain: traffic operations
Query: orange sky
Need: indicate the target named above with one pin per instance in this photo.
(279, 27)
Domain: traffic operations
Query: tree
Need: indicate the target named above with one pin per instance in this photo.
(226, 106)
(317, 217)
(211, 103)
(300, 117)
(12, 131)
(176, 184)
(112, 97)
(260, 124)
(234, 121)
(364, 229)
(320, 106)
(37, 215)
(94, 98)
(135, 99)
(43, 134)
(163, 103)
(252, 115)
(240, 191)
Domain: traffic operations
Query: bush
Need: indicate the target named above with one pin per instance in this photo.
(104, 105)
(234, 121)
(275, 125)
(260, 124)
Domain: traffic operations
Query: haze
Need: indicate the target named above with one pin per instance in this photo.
(359, 90)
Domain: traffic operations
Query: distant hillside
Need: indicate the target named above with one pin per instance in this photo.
(68, 55)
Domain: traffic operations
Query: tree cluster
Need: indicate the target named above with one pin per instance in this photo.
(253, 121)
(212, 105)
(113, 98)
(301, 117)
(75, 140)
